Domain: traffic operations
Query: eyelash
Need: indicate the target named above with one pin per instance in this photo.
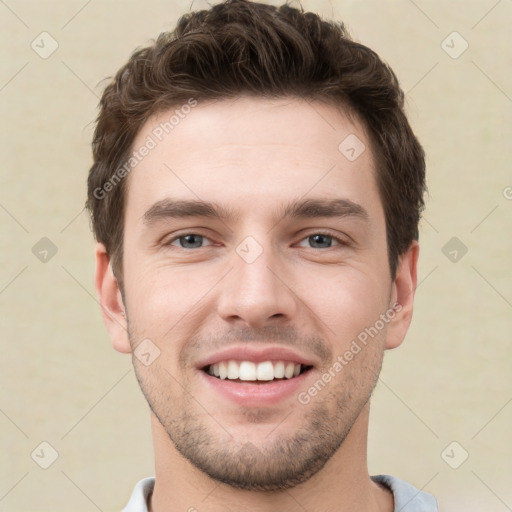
(340, 241)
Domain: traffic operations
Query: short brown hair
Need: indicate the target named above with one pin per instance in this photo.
(242, 47)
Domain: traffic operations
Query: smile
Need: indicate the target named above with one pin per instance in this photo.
(255, 371)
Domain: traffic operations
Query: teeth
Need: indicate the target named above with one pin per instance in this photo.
(288, 371)
(223, 369)
(265, 371)
(279, 370)
(250, 371)
(247, 371)
(233, 370)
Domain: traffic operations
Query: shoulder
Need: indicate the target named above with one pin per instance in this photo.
(139, 498)
(407, 497)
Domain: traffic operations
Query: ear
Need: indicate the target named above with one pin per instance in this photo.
(402, 295)
(111, 301)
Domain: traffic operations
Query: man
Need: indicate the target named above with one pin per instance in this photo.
(255, 195)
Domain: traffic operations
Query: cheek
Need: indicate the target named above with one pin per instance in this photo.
(347, 301)
(164, 300)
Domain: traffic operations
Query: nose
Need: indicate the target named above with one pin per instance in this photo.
(257, 292)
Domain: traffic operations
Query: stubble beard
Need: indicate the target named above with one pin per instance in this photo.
(280, 461)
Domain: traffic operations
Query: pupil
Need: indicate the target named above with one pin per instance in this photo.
(318, 240)
(189, 241)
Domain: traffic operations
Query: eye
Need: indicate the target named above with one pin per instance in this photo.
(322, 241)
(190, 241)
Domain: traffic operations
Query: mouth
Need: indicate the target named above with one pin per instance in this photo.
(254, 376)
(256, 372)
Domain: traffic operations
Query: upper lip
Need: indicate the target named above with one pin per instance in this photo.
(257, 355)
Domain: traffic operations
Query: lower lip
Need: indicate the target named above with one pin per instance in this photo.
(250, 394)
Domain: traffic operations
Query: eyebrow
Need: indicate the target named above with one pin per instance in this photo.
(307, 208)
(310, 208)
(177, 209)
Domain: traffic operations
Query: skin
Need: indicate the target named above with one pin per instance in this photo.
(250, 156)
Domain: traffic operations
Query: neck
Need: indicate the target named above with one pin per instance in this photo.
(343, 484)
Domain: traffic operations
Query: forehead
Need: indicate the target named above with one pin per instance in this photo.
(251, 152)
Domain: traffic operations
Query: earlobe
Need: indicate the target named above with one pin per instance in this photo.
(111, 301)
(404, 287)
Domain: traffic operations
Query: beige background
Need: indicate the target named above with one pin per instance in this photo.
(63, 384)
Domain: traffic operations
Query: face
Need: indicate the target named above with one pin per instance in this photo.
(255, 259)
